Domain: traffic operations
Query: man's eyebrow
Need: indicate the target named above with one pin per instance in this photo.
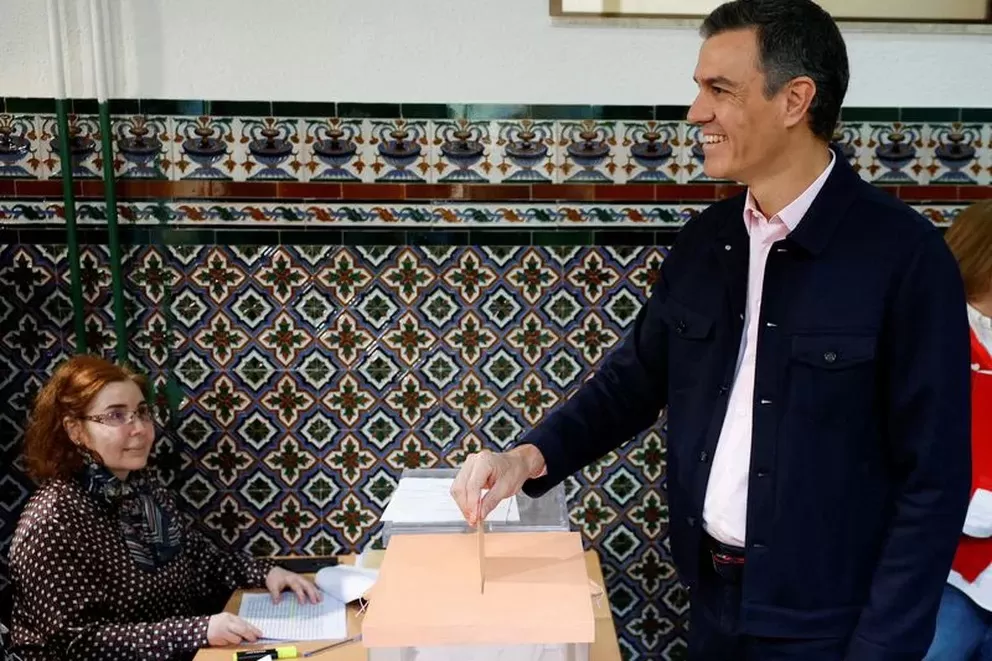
(716, 80)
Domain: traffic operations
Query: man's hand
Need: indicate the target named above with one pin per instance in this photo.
(503, 474)
(279, 580)
(229, 629)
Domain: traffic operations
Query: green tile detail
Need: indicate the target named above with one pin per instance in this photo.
(183, 237)
(565, 112)
(438, 238)
(374, 238)
(427, 111)
(25, 105)
(976, 115)
(492, 111)
(85, 106)
(248, 237)
(562, 238)
(377, 110)
(671, 113)
(311, 237)
(304, 109)
(125, 107)
(644, 237)
(930, 115)
(499, 238)
(239, 108)
(869, 114)
(188, 107)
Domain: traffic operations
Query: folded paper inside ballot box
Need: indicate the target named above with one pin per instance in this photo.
(536, 592)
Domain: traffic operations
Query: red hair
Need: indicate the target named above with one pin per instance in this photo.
(49, 451)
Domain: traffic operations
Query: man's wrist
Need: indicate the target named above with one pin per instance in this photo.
(533, 459)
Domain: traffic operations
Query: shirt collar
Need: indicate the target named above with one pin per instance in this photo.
(979, 320)
(795, 210)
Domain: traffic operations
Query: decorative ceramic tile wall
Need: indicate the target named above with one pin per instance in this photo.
(324, 294)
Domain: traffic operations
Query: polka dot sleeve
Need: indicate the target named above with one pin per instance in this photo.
(62, 602)
(233, 571)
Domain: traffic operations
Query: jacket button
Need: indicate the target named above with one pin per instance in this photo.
(691, 521)
(703, 456)
(830, 356)
(724, 388)
(680, 327)
(758, 545)
(762, 473)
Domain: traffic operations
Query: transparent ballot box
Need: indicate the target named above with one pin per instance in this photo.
(421, 503)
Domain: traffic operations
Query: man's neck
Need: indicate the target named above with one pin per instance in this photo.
(983, 304)
(788, 176)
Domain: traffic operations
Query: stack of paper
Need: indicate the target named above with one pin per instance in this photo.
(291, 620)
(428, 500)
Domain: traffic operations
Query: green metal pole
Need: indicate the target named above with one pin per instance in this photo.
(65, 158)
(113, 232)
(109, 192)
(72, 234)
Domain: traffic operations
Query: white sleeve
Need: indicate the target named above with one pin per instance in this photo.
(978, 522)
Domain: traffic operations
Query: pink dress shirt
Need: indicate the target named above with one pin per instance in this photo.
(725, 506)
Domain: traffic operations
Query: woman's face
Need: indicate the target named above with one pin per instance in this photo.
(118, 428)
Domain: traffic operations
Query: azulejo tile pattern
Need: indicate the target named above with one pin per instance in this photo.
(303, 379)
(324, 294)
(412, 149)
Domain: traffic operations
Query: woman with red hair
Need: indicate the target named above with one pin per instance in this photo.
(102, 563)
(964, 622)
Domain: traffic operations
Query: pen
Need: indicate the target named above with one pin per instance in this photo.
(333, 645)
(271, 653)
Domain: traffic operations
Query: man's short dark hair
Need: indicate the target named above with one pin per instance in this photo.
(795, 38)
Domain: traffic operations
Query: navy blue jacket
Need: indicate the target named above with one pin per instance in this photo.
(861, 463)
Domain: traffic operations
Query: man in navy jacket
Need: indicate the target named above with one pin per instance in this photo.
(810, 341)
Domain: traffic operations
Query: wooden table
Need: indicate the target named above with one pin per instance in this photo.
(605, 647)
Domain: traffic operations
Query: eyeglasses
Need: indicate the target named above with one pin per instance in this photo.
(121, 417)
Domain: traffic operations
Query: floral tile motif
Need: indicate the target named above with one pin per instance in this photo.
(85, 144)
(335, 150)
(588, 152)
(653, 150)
(20, 147)
(143, 147)
(461, 151)
(897, 153)
(526, 151)
(957, 154)
(399, 150)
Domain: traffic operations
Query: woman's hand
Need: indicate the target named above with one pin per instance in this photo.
(279, 580)
(229, 629)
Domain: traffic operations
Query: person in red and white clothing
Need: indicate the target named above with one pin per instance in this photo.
(964, 622)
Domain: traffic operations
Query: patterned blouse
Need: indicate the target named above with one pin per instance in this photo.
(78, 594)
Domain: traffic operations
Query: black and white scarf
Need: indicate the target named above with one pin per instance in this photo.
(153, 536)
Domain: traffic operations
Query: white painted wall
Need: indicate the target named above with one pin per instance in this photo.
(481, 51)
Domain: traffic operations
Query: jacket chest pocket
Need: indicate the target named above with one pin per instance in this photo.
(833, 376)
(690, 340)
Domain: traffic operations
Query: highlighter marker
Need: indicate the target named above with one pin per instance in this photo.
(273, 653)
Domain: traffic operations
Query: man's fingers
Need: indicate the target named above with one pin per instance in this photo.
(477, 480)
(458, 486)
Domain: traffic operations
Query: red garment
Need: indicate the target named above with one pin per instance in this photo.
(975, 554)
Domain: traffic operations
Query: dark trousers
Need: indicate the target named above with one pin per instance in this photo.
(714, 632)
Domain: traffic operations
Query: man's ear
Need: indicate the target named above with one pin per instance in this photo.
(799, 95)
